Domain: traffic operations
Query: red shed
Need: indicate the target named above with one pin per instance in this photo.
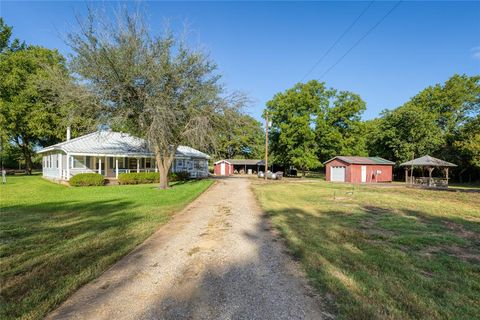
(358, 169)
(223, 168)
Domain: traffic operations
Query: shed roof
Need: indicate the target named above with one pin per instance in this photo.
(428, 161)
(362, 160)
(247, 162)
(114, 143)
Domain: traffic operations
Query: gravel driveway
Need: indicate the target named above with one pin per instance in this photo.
(217, 259)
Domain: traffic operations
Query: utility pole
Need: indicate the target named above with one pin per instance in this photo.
(266, 144)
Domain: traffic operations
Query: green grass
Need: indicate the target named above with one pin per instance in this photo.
(383, 252)
(55, 238)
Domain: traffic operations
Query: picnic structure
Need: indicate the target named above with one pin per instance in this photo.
(429, 163)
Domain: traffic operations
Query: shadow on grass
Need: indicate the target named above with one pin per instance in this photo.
(377, 264)
(256, 285)
(52, 248)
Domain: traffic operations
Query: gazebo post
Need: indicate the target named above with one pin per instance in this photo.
(411, 176)
(430, 169)
(406, 175)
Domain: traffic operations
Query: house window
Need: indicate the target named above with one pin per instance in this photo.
(148, 163)
(179, 163)
(111, 163)
(88, 161)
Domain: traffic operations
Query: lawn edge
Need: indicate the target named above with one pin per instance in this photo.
(330, 309)
(170, 216)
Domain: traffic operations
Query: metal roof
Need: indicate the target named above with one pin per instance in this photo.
(362, 160)
(114, 143)
(428, 161)
(248, 162)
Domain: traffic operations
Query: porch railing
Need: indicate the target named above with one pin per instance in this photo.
(432, 182)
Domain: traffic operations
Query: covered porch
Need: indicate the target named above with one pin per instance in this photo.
(110, 166)
(429, 164)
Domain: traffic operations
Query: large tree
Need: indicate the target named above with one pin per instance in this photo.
(153, 86)
(440, 120)
(241, 136)
(406, 132)
(339, 130)
(312, 123)
(28, 115)
(467, 146)
(32, 111)
(293, 115)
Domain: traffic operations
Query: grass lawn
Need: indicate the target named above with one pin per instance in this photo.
(55, 238)
(383, 252)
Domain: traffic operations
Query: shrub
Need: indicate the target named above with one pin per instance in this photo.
(150, 177)
(138, 177)
(87, 179)
(179, 176)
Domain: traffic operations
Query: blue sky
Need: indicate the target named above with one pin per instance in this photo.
(262, 48)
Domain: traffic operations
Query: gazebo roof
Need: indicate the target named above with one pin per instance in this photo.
(428, 161)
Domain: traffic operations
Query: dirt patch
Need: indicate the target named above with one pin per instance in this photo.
(460, 231)
(462, 253)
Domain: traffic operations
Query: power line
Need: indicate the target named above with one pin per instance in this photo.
(338, 40)
(360, 40)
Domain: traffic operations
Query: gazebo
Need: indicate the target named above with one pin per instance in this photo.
(429, 163)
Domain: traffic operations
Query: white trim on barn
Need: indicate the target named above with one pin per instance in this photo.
(111, 153)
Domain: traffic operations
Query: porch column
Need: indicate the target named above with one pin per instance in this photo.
(138, 165)
(116, 168)
(406, 175)
(60, 166)
(68, 167)
(100, 165)
(154, 161)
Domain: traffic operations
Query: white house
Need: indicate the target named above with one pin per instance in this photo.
(110, 153)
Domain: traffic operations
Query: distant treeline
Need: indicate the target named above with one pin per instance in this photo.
(313, 123)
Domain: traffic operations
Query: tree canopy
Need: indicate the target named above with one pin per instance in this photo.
(312, 123)
(240, 137)
(153, 86)
(31, 113)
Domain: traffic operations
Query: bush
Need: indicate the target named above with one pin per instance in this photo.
(179, 176)
(87, 179)
(150, 177)
(138, 177)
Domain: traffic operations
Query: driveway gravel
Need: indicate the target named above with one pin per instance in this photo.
(217, 259)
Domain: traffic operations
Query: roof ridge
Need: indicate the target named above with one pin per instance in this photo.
(73, 140)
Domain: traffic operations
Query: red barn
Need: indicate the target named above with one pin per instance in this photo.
(358, 169)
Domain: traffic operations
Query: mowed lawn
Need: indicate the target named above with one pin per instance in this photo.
(55, 238)
(383, 252)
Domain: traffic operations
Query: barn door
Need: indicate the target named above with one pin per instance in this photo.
(337, 174)
(364, 173)
(222, 168)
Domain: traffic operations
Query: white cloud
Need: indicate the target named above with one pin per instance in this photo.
(475, 52)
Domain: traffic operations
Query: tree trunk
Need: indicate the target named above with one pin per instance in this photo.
(164, 161)
(27, 156)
